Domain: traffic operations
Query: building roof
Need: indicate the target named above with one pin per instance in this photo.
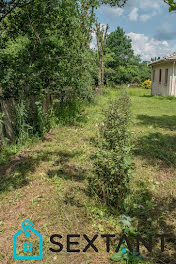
(169, 58)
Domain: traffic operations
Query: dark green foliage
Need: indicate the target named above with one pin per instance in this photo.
(23, 129)
(144, 72)
(122, 66)
(114, 2)
(44, 50)
(68, 112)
(30, 118)
(133, 257)
(8, 6)
(112, 164)
(40, 121)
(129, 257)
(120, 45)
(172, 4)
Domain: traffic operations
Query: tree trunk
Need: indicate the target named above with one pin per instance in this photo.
(101, 35)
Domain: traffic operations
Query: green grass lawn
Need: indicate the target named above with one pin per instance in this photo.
(47, 183)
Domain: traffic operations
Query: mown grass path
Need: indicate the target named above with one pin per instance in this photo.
(47, 183)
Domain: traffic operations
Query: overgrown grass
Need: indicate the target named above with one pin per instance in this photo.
(9, 150)
(47, 183)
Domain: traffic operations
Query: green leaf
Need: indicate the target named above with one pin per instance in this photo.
(117, 256)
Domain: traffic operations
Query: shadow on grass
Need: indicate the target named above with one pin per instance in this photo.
(148, 96)
(157, 149)
(158, 97)
(67, 171)
(15, 174)
(155, 216)
(70, 198)
(164, 121)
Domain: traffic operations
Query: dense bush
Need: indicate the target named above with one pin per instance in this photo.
(112, 164)
(44, 50)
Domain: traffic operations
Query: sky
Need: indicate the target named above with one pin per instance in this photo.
(147, 22)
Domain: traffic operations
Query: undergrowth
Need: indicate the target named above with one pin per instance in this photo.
(112, 161)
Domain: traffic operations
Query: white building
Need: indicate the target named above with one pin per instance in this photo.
(164, 76)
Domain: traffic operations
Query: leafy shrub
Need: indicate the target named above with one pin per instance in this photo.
(133, 257)
(112, 164)
(146, 84)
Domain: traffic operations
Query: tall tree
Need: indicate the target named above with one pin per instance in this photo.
(101, 36)
(120, 45)
(42, 49)
(88, 12)
(123, 66)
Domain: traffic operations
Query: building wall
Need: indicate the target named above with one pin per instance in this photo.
(174, 81)
(161, 88)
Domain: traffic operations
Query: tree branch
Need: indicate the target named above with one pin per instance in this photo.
(8, 7)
